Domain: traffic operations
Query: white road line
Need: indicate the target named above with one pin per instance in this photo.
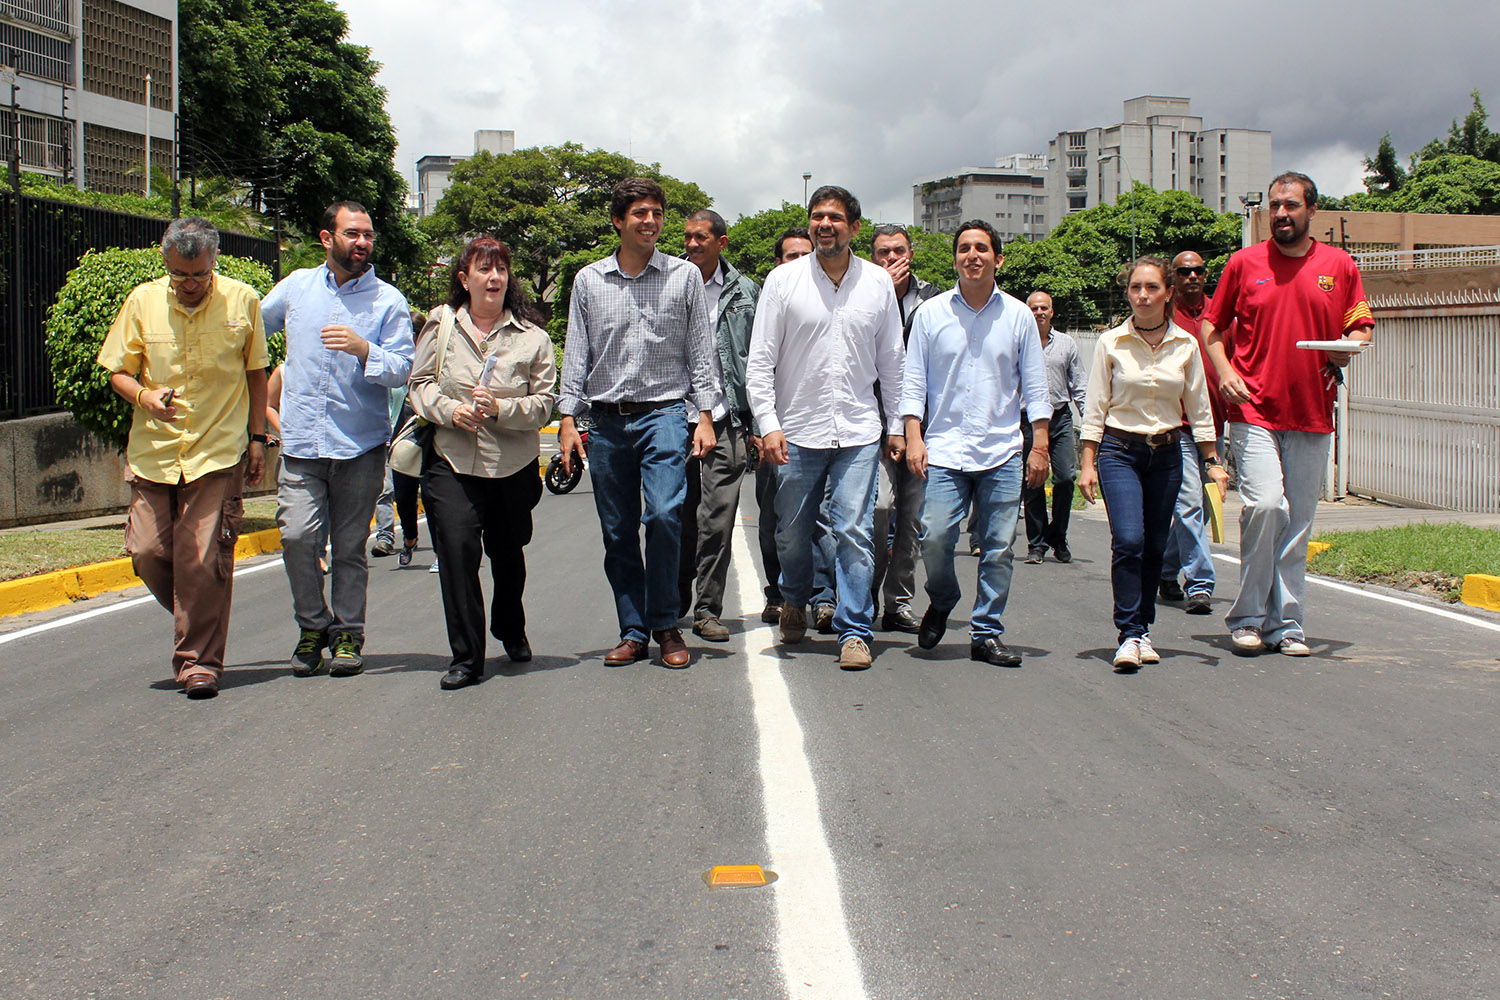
(134, 602)
(1361, 592)
(817, 956)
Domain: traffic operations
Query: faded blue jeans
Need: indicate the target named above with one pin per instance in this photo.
(996, 497)
(1187, 544)
(849, 474)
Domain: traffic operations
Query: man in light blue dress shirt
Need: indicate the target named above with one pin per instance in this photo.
(973, 359)
(348, 342)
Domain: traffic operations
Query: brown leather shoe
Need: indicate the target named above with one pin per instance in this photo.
(201, 686)
(674, 652)
(628, 651)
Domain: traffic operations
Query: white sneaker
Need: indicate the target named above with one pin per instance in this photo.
(1128, 656)
(433, 568)
(1148, 651)
(1289, 646)
(1246, 640)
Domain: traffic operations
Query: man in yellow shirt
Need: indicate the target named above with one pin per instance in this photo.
(188, 352)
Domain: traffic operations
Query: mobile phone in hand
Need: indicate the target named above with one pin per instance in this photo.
(168, 396)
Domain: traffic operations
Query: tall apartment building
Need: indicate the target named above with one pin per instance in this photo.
(1160, 143)
(75, 71)
(433, 171)
(1011, 196)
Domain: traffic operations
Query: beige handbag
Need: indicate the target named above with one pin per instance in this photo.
(413, 437)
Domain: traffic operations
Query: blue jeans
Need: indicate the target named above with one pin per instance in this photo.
(632, 456)
(1281, 475)
(1062, 451)
(1140, 485)
(1187, 544)
(849, 476)
(996, 497)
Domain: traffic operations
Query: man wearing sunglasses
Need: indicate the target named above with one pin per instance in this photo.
(1187, 544)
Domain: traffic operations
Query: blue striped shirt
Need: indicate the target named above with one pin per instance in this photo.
(331, 405)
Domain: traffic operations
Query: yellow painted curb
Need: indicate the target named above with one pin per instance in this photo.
(1317, 548)
(1481, 590)
(63, 586)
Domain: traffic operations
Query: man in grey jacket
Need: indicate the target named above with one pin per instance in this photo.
(713, 493)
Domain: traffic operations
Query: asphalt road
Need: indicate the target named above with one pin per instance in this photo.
(1212, 827)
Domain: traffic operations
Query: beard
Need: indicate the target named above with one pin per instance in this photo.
(344, 258)
(1290, 235)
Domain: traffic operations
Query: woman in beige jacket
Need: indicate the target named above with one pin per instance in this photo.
(489, 401)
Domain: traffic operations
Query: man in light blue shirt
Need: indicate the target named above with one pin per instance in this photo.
(348, 342)
(973, 360)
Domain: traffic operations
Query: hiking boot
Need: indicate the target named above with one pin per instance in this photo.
(346, 660)
(307, 658)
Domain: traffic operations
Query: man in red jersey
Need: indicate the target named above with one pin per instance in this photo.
(1280, 402)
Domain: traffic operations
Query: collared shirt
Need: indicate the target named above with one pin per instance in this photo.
(1066, 380)
(203, 353)
(1192, 322)
(521, 382)
(712, 289)
(639, 339)
(970, 372)
(332, 406)
(1142, 389)
(816, 351)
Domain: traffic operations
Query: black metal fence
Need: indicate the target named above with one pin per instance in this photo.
(37, 250)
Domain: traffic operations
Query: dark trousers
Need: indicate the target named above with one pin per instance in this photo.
(765, 503)
(1140, 486)
(1063, 454)
(709, 513)
(470, 517)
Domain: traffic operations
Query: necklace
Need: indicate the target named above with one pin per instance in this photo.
(1148, 329)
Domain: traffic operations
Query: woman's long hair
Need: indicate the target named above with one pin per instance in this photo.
(488, 250)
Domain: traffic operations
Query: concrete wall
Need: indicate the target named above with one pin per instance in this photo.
(51, 469)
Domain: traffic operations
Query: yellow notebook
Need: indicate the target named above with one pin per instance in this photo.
(1215, 506)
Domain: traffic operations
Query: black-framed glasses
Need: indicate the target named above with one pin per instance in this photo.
(1194, 269)
(176, 276)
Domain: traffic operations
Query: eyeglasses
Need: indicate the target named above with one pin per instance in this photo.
(177, 276)
(355, 234)
(1199, 269)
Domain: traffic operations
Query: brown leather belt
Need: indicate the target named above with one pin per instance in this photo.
(1149, 440)
(627, 409)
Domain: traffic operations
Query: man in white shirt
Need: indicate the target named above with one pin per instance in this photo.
(827, 327)
(974, 359)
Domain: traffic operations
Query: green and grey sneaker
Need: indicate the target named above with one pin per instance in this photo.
(307, 658)
(346, 660)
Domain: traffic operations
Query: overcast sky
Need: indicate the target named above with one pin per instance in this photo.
(742, 98)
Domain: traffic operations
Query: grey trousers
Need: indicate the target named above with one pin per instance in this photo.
(328, 498)
(706, 538)
(900, 499)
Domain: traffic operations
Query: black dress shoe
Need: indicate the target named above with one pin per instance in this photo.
(202, 686)
(900, 621)
(519, 650)
(934, 624)
(1170, 590)
(458, 678)
(1062, 553)
(992, 650)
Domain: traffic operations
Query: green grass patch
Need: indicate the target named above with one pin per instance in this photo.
(1428, 557)
(29, 553)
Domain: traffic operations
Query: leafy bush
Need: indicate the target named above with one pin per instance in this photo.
(79, 319)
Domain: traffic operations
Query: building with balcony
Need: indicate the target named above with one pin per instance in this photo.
(77, 73)
(1011, 196)
(433, 172)
(1161, 144)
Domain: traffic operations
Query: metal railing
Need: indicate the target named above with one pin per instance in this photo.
(51, 236)
(1405, 260)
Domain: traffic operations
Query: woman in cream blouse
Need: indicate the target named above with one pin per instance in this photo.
(1147, 373)
(479, 478)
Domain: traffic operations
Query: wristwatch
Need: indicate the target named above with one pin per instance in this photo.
(1211, 463)
(260, 439)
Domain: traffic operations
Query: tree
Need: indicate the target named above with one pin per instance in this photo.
(273, 83)
(548, 204)
(752, 239)
(1383, 174)
(1472, 138)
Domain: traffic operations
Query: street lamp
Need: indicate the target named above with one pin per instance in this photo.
(806, 176)
(1131, 177)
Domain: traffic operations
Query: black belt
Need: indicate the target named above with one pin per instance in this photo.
(628, 409)
(1149, 440)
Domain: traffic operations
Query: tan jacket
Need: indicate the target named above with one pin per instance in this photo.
(522, 382)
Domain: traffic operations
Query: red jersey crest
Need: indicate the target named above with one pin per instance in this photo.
(1325, 282)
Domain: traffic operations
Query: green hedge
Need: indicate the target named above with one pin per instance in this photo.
(86, 307)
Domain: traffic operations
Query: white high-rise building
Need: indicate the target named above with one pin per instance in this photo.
(433, 171)
(1161, 144)
(1011, 196)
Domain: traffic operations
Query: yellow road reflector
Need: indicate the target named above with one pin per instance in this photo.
(738, 877)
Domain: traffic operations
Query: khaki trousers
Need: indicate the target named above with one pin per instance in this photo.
(181, 540)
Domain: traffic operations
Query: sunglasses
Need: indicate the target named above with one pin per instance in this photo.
(1185, 271)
